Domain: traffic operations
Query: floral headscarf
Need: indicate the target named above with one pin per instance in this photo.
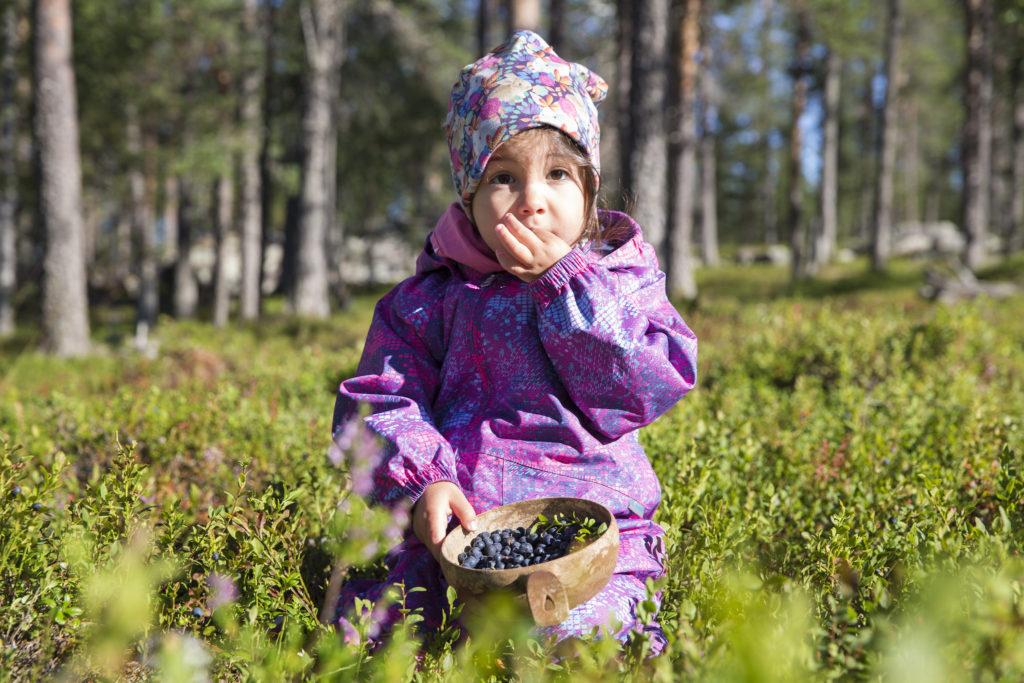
(523, 84)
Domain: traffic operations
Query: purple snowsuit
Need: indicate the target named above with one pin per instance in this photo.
(516, 391)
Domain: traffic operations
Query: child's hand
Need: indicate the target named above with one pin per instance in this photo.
(430, 514)
(527, 253)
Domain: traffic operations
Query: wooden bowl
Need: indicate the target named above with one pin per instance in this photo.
(552, 588)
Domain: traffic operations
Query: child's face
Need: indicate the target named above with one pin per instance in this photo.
(538, 186)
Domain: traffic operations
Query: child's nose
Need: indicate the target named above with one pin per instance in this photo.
(532, 200)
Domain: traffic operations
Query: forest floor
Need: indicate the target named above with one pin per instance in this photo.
(843, 496)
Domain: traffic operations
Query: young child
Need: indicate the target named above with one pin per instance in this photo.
(532, 343)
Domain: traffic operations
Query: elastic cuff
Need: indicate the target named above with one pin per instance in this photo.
(424, 478)
(547, 286)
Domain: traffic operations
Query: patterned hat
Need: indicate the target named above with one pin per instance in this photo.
(523, 84)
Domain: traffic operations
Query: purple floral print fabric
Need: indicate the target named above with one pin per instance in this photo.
(522, 84)
(516, 391)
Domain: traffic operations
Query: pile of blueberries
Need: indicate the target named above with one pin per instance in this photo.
(519, 547)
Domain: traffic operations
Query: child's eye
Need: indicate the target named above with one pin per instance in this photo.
(502, 178)
(559, 174)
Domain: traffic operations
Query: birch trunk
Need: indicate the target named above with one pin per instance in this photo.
(881, 233)
(65, 304)
(321, 23)
(556, 10)
(223, 202)
(143, 230)
(266, 161)
(8, 170)
(623, 66)
(252, 132)
(825, 244)
(170, 213)
(649, 142)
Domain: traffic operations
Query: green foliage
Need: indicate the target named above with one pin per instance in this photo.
(842, 498)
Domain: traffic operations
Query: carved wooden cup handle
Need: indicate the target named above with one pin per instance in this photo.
(548, 601)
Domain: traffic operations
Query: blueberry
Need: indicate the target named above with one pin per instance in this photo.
(517, 557)
(216, 556)
(520, 530)
(499, 565)
(532, 538)
(16, 490)
(490, 551)
(196, 612)
(540, 548)
(476, 553)
(470, 562)
(462, 557)
(477, 542)
(37, 506)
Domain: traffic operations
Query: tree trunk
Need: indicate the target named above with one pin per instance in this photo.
(143, 230)
(881, 233)
(911, 163)
(680, 268)
(65, 303)
(1015, 240)
(223, 203)
(322, 24)
(825, 244)
(557, 23)
(266, 161)
(868, 141)
(977, 142)
(252, 132)
(186, 290)
(801, 53)
(169, 253)
(769, 184)
(649, 142)
(523, 14)
(708, 165)
(623, 66)
(8, 169)
(483, 27)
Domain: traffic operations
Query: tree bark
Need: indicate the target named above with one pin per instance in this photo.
(8, 169)
(223, 203)
(483, 27)
(882, 228)
(649, 142)
(769, 184)
(252, 132)
(977, 142)
(797, 232)
(65, 303)
(321, 23)
(186, 290)
(266, 161)
(1015, 240)
(170, 212)
(523, 14)
(911, 163)
(557, 23)
(825, 244)
(680, 268)
(623, 66)
(143, 230)
(708, 165)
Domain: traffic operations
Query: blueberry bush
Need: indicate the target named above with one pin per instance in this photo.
(843, 497)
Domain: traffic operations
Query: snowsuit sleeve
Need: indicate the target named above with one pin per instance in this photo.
(621, 349)
(398, 376)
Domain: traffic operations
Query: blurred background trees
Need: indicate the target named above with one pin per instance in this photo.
(231, 151)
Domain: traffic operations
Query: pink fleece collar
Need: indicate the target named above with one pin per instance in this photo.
(454, 237)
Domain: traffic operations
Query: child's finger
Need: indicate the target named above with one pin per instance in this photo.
(464, 511)
(522, 233)
(519, 251)
(437, 517)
